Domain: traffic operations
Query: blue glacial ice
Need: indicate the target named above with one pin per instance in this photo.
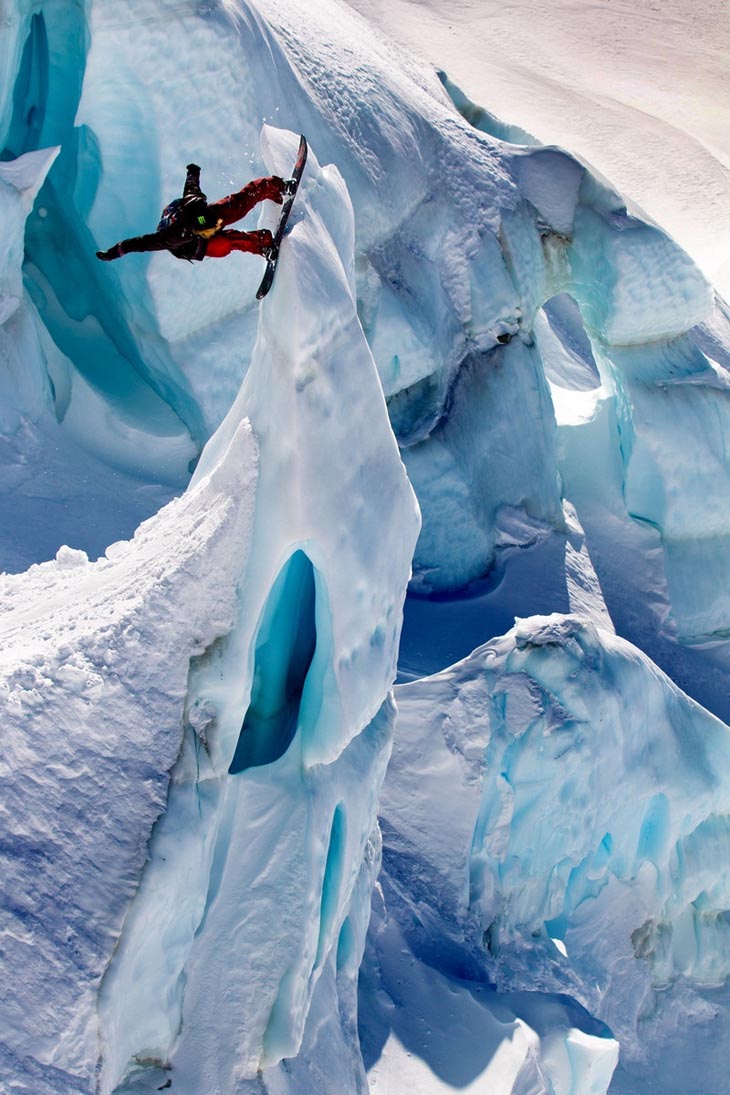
(199, 718)
(555, 818)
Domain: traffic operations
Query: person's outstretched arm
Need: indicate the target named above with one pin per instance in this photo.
(160, 241)
(153, 241)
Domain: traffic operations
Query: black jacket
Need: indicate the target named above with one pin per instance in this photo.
(180, 238)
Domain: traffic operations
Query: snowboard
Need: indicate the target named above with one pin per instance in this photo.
(268, 278)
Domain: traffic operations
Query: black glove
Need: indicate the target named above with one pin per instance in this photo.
(193, 167)
(112, 253)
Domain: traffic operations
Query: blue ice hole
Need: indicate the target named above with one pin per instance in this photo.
(285, 646)
(332, 881)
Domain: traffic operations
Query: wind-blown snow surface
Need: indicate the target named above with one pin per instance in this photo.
(96, 658)
(555, 372)
(641, 92)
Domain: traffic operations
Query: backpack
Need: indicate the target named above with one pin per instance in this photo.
(170, 214)
(173, 213)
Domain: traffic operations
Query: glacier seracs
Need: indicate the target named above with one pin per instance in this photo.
(579, 844)
(289, 797)
(555, 371)
(540, 684)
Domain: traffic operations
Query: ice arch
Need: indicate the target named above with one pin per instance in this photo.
(565, 346)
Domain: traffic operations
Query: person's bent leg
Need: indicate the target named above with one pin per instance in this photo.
(223, 243)
(236, 206)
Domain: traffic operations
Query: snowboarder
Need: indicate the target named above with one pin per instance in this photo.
(192, 229)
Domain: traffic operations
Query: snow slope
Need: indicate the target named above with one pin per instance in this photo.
(641, 92)
(96, 658)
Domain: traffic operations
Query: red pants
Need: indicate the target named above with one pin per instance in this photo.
(234, 208)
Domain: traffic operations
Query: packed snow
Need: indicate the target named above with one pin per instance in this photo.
(96, 659)
(642, 92)
(484, 386)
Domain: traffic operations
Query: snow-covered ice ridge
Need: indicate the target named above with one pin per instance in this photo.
(200, 720)
(226, 676)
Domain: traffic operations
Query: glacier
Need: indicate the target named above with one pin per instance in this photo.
(485, 386)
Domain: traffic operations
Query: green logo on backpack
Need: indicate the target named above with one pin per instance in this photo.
(201, 220)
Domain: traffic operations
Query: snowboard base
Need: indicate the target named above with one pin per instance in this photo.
(268, 278)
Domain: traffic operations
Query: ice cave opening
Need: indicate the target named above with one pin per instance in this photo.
(285, 646)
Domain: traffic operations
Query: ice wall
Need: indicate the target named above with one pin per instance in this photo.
(569, 806)
(81, 430)
(27, 390)
(461, 242)
(94, 669)
(663, 384)
(40, 385)
(90, 323)
(672, 415)
(89, 422)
